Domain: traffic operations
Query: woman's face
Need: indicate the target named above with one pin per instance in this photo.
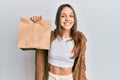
(66, 18)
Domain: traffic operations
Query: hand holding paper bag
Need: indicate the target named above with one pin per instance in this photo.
(36, 19)
(34, 33)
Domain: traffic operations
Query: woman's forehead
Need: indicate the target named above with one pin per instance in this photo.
(67, 10)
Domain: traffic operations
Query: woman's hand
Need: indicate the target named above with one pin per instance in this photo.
(36, 19)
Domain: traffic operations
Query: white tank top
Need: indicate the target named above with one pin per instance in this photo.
(60, 53)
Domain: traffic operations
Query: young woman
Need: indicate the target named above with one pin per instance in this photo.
(66, 58)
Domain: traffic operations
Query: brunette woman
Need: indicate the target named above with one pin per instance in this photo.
(66, 58)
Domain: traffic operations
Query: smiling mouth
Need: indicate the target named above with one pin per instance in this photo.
(67, 23)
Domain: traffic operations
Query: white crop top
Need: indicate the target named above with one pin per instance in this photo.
(60, 53)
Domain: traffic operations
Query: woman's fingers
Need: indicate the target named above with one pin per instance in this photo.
(35, 18)
(32, 18)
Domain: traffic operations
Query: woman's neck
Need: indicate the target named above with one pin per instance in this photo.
(66, 34)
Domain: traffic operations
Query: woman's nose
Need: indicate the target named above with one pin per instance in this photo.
(67, 18)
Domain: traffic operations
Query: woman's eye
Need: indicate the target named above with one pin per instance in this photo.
(62, 16)
(71, 15)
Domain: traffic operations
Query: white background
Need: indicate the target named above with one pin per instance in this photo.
(99, 20)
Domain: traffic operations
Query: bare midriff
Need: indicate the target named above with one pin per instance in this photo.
(59, 70)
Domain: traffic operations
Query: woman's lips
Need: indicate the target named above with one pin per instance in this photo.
(67, 23)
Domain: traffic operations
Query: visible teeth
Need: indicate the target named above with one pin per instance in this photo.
(67, 24)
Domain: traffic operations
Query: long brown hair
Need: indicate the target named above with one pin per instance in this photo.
(73, 32)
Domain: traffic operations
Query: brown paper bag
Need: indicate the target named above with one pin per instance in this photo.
(34, 35)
